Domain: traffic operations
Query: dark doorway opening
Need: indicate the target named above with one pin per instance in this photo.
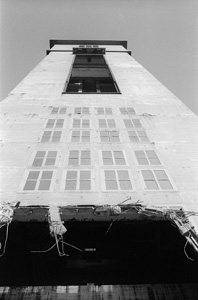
(129, 253)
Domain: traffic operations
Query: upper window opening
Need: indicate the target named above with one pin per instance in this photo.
(91, 74)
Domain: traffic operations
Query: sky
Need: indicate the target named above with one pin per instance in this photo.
(162, 35)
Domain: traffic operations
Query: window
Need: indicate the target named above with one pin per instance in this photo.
(127, 111)
(78, 180)
(156, 179)
(38, 180)
(80, 136)
(109, 136)
(77, 157)
(132, 123)
(117, 180)
(81, 123)
(91, 74)
(107, 123)
(138, 136)
(81, 110)
(51, 136)
(147, 157)
(44, 158)
(58, 110)
(113, 158)
(55, 123)
(104, 110)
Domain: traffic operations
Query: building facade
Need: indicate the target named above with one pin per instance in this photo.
(90, 136)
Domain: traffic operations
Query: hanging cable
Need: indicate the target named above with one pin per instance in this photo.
(185, 251)
(5, 243)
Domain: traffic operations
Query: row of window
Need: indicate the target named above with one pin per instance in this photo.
(85, 123)
(82, 180)
(83, 158)
(99, 110)
(109, 136)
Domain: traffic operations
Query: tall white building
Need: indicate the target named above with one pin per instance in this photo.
(97, 153)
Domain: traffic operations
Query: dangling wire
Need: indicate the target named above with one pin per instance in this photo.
(185, 251)
(5, 243)
(116, 219)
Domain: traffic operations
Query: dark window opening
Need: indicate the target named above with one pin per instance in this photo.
(91, 74)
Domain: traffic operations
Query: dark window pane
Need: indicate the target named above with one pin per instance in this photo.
(125, 185)
(160, 174)
(40, 154)
(50, 162)
(71, 175)
(111, 185)
(70, 185)
(47, 175)
(147, 174)
(85, 184)
(44, 185)
(110, 174)
(37, 162)
(142, 161)
(33, 175)
(151, 185)
(29, 185)
(165, 184)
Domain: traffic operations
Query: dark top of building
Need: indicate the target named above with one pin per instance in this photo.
(87, 42)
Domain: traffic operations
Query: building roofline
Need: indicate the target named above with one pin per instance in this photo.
(87, 42)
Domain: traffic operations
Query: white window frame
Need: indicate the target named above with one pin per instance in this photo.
(109, 136)
(77, 190)
(36, 190)
(82, 110)
(60, 110)
(79, 157)
(44, 158)
(126, 111)
(140, 140)
(107, 122)
(119, 189)
(108, 111)
(55, 124)
(132, 123)
(113, 158)
(81, 135)
(51, 136)
(81, 123)
(148, 159)
(157, 181)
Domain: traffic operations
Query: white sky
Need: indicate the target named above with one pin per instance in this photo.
(162, 35)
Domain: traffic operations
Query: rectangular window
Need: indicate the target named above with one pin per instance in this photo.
(44, 158)
(113, 158)
(117, 180)
(109, 136)
(107, 123)
(51, 136)
(77, 157)
(156, 180)
(55, 123)
(78, 180)
(59, 110)
(81, 110)
(147, 157)
(132, 123)
(38, 180)
(104, 111)
(138, 136)
(91, 74)
(127, 111)
(80, 136)
(81, 123)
